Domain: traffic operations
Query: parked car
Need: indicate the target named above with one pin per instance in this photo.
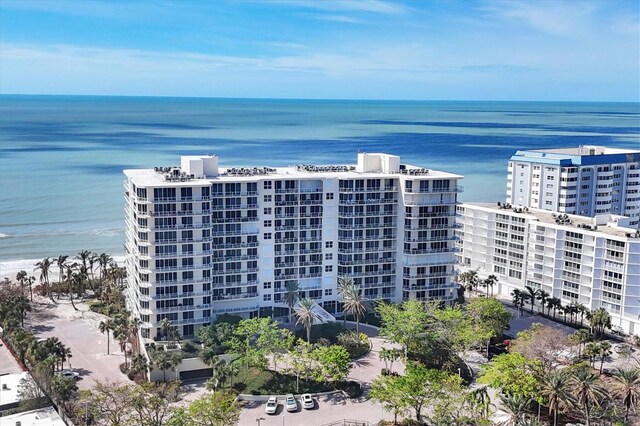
(70, 374)
(291, 404)
(307, 401)
(272, 405)
(622, 348)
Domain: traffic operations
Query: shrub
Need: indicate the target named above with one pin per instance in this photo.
(229, 319)
(329, 331)
(356, 344)
(189, 347)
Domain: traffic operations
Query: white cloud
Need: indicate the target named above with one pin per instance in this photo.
(372, 6)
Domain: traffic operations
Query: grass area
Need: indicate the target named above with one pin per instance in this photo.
(257, 382)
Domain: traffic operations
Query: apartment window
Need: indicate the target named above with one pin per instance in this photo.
(267, 184)
(267, 223)
(329, 196)
(328, 256)
(328, 268)
(267, 236)
(267, 210)
(266, 297)
(267, 198)
(266, 285)
(328, 292)
(328, 244)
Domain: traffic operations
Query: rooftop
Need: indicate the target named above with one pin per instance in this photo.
(581, 155)
(368, 166)
(9, 385)
(608, 224)
(47, 416)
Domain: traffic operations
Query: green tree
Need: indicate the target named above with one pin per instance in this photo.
(604, 350)
(592, 350)
(344, 284)
(555, 390)
(388, 392)
(21, 306)
(600, 320)
(61, 261)
(355, 304)
(333, 363)
(306, 316)
(403, 324)
(164, 361)
(44, 266)
(107, 326)
(63, 388)
(581, 337)
(214, 409)
(489, 314)
(532, 294)
(421, 385)
(139, 365)
(626, 387)
(543, 297)
(512, 374)
(152, 403)
(587, 390)
(489, 282)
(291, 296)
(257, 338)
(22, 277)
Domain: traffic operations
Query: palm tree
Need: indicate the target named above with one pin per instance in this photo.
(626, 386)
(133, 327)
(21, 277)
(555, 304)
(220, 372)
(516, 406)
(344, 284)
(581, 337)
(587, 390)
(469, 279)
(61, 262)
(355, 304)
(163, 361)
(583, 310)
(44, 266)
(591, 350)
(93, 259)
(139, 364)
(555, 389)
(21, 305)
(543, 297)
(604, 350)
(532, 295)
(104, 260)
(30, 281)
(291, 296)
(599, 320)
(106, 327)
(490, 281)
(167, 330)
(306, 315)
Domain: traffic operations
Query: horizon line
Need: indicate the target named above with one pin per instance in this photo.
(309, 99)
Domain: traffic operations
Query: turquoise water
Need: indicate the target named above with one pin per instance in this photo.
(62, 157)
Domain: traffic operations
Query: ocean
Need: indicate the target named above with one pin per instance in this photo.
(62, 157)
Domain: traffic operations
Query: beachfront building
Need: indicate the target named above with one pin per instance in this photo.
(587, 181)
(203, 240)
(590, 261)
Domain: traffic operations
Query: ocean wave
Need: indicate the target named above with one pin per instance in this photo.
(107, 232)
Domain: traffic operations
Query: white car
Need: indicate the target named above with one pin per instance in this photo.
(70, 374)
(307, 401)
(291, 404)
(272, 405)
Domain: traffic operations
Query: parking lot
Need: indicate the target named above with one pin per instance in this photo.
(78, 330)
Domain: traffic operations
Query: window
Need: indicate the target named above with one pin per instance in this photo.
(328, 244)
(328, 268)
(266, 297)
(328, 292)
(267, 210)
(267, 223)
(267, 236)
(267, 184)
(328, 256)
(329, 196)
(266, 285)
(267, 198)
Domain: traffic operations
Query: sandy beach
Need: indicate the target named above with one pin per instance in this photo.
(11, 268)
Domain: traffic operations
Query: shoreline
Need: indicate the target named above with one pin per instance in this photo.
(9, 269)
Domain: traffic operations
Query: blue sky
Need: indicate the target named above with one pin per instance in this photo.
(342, 49)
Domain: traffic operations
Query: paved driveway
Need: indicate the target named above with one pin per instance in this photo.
(79, 331)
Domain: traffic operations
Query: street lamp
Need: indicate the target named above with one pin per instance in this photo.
(259, 419)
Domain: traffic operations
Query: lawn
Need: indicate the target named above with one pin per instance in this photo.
(257, 382)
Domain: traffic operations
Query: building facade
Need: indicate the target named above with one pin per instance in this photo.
(203, 240)
(591, 261)
(587, 181)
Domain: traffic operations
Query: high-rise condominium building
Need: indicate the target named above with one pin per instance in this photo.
(590, 261)
(204, 240)
(587, 181)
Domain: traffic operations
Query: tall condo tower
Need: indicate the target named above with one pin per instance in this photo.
(587, 181)
(204, 240)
